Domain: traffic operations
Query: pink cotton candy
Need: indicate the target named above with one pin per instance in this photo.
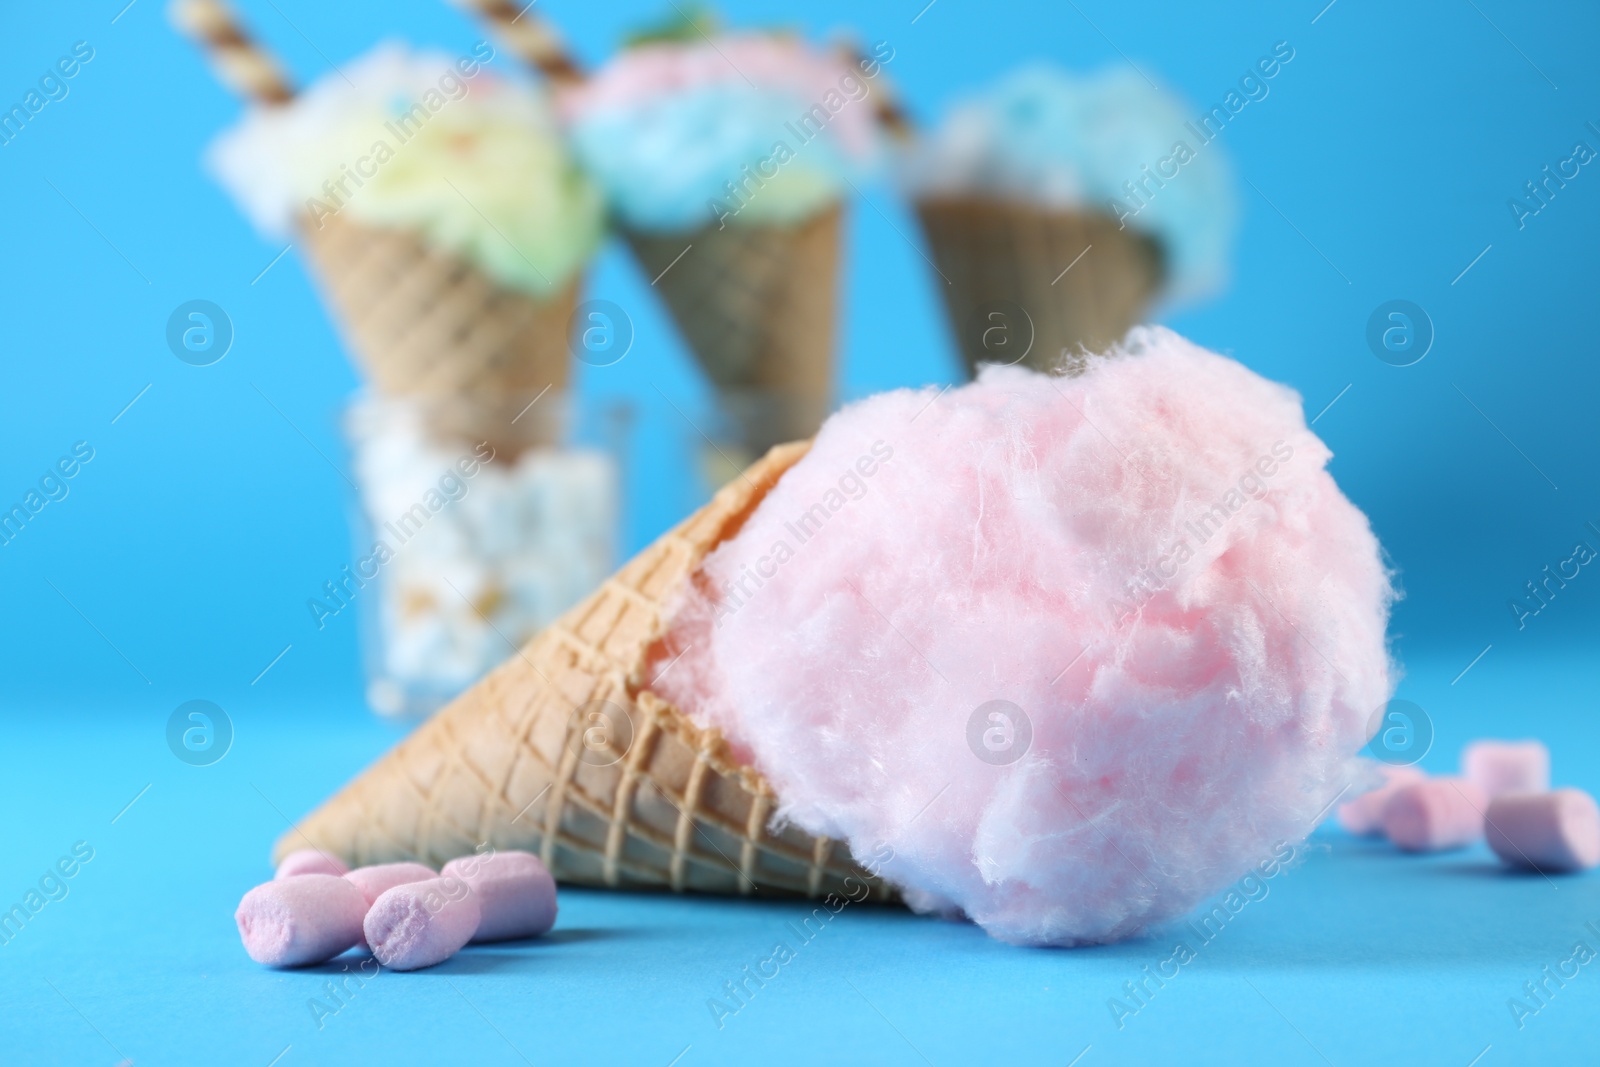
(379, 879)
(514, 890)
(1507, 766)
(1435, 815)
(1554, 832)
(420, 924)
(1148, 568)
(1364, 814)
(639, 75)
(300, 919)
(310, 861)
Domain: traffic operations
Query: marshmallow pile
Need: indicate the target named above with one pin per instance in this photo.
(476, 554)
(1502, 794)
(407, 915)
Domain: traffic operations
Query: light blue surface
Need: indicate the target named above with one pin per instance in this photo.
(1359, 954)
(177, 567)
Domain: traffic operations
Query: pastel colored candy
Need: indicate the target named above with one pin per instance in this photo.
(1364, 814)
(516, 894)
(1507, 766)
(310, 861)
(419, 924)
(379, 879)
(488, 179)
(301, 919)
(1552, 832)
(1435, 814)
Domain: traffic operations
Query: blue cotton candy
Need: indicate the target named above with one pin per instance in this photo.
(678, 162)
(1046, 136)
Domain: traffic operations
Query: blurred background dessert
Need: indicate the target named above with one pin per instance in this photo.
(445, 218)
(726, 159)
(1059, 209)
(450, 228)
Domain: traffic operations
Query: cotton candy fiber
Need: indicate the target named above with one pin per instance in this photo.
(1149, 562)
(1047, 137)
(403, 140)
(745, 129)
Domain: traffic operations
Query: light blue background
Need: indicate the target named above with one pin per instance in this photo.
(1379, 167)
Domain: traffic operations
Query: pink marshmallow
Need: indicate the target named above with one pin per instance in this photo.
(420, 924)
(1507, 766)
(515, 893)
(1364, 814)
(301, 919)
(1554, 832)
(1435, 814)
(310, 861)
(379, 879)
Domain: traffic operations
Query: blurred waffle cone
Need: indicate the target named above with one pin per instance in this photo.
(564, 750)
(427, 324)
(1078, 281)
(757, 305)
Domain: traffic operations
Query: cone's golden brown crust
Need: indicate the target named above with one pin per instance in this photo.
(563, 750)
(996, 256)
(757, 305)
(428, 324)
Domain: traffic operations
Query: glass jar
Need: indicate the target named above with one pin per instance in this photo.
(478, 522)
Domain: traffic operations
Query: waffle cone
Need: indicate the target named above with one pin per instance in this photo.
(641, 798)
(428, 324)
(997, 255)
(757, 305)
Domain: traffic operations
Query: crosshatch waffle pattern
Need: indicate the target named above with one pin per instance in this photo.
(992, 252)
(424, 321)
(757, 306)
(652, 801)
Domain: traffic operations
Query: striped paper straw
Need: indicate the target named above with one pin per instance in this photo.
(240, 62)
(533, 39)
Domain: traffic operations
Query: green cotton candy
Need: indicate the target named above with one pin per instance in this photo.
(429, 144)
(505, 197)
